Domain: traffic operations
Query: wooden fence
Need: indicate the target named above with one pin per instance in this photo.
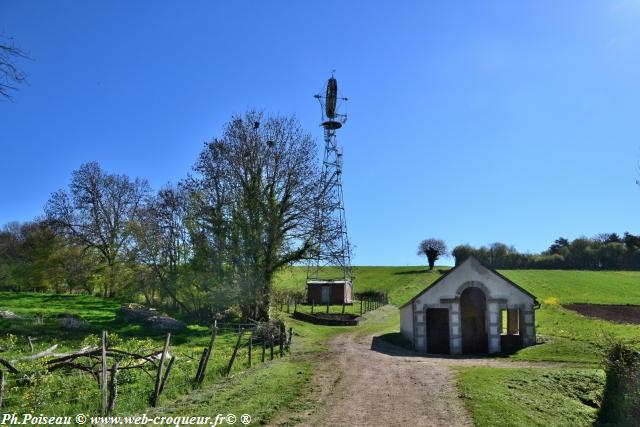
(264, 336)
(364, 303)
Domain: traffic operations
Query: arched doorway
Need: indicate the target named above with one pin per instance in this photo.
(473, 310)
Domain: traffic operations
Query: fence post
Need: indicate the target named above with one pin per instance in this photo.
(212, 341)
(271, 344)
(1, 387)
(113, 388)
(282, 336)
(201, 364)
(103, 376)
(360, 307)
(166, 373)
(295, 306)
(342, 307)
(156, 391)
(250, 348)
(235, 351)
(289, 340)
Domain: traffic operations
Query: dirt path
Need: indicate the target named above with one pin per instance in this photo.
(363, 381)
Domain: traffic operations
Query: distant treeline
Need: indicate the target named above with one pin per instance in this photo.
(603, 252)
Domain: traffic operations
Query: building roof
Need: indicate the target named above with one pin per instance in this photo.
(328, 282)
(469, 259)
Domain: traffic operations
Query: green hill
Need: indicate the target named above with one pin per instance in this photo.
(402, 283)
(565, 395)
(566, 335)
(569, 336)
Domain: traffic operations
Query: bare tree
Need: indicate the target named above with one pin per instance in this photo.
(96, 212)
(433, 249)
(162, 241)
(10, 74)
(258, 188)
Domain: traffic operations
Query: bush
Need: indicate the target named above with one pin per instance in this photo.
(621, 401)
(371, 296)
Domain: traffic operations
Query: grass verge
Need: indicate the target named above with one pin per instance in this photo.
(532, 396)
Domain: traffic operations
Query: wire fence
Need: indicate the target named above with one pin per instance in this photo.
(234, 347)
(365, 303)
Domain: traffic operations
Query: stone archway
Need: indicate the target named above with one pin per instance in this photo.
(473, 315)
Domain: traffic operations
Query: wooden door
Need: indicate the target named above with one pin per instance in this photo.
(473, 310)
(438, 330)
(325, 296)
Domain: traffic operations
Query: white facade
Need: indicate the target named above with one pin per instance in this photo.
(500, 294)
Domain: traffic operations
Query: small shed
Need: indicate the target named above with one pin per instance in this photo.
(470, 309)
(333, 292)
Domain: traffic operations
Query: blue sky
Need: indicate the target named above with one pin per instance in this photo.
(470, 121)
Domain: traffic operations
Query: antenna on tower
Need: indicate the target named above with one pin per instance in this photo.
(329, 273)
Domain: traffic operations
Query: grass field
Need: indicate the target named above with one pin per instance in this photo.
(272, 387)
(523, 397)
(531, 397)
(569, 336)
(35, 391)
(262, 391)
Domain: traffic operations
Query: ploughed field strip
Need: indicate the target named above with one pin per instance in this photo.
(617, 313)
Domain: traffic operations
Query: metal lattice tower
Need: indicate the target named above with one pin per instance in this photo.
(332, 261)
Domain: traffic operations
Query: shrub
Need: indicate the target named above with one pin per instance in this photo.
(621, 401)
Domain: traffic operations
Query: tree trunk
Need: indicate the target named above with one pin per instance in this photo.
(264, 297)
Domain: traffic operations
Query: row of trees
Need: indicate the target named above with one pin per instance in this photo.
(602, 252)
(216, 239)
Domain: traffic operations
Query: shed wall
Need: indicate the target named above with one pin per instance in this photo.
(500, 294)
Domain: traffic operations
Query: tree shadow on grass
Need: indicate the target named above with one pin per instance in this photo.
(48, 330)
(411, 272)
(425, 271)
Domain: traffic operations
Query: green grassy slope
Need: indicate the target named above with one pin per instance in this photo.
(531, 397)
(60, 393)
(569, 336)
(401, 283)
(524, 397)
(602, 287)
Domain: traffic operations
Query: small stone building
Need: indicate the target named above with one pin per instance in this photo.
(470, 309)
(333, 292)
